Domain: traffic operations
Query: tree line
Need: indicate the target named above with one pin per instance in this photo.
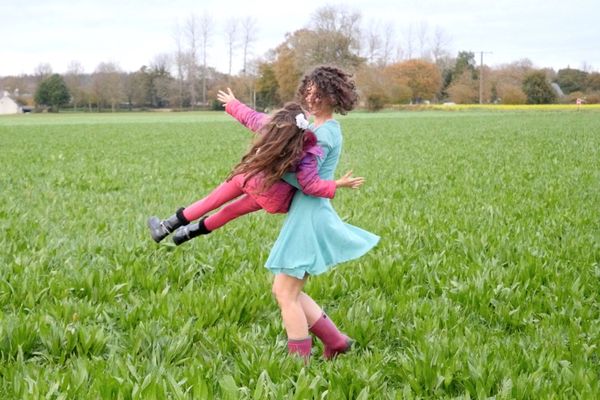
(387, 72)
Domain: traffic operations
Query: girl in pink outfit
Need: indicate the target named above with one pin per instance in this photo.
(284, 144)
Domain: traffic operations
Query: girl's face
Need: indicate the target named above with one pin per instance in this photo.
(312, 98)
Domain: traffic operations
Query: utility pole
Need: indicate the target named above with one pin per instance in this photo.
(481, 74)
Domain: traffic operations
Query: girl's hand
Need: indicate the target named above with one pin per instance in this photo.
(225, 97)
(348, 181)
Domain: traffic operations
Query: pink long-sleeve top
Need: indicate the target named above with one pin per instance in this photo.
(278, 197)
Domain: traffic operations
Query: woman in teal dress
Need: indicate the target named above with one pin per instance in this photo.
(314, 238)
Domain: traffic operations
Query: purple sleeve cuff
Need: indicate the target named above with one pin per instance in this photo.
(310, 181)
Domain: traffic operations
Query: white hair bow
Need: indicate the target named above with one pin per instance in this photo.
(301, 121)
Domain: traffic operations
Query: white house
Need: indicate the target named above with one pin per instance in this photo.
(8, 105)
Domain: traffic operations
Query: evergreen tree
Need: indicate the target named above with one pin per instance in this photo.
(571, 80)
(538, 89)
(52, 92)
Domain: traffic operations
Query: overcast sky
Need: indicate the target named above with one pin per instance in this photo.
(130, 33)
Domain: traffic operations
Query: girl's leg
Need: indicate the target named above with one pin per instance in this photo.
(287, 291)
(334, 341)
(225, 192)
(233, 210)
(237, 208)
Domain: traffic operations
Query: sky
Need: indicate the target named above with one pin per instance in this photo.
(131, 33)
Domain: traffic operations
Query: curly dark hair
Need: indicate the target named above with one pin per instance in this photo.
(277, 150)
(331, 83)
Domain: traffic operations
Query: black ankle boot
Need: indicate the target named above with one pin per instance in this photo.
(190, 231)
(160, 229)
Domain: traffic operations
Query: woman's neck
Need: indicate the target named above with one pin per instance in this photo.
(322, 116)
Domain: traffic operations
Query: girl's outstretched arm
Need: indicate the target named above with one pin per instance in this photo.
(311, 183)
(292, 177)
(248, 117)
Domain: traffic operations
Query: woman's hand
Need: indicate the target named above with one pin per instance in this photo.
(225, 97)
(348, 181)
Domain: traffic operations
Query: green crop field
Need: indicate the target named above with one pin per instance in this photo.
(485, 284)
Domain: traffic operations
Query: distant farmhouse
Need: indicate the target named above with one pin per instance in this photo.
(8, 105)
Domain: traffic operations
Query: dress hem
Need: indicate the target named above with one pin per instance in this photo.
(302, 272)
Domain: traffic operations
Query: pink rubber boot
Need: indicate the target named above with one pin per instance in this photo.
(334, 341)
(300, 347)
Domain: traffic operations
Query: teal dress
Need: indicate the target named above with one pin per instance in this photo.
(313, 237)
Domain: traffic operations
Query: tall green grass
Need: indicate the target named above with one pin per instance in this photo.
(485, 282)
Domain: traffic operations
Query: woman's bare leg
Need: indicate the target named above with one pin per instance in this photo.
(287, 291)
(312, 311)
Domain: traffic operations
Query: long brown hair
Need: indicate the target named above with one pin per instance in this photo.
(277, 150)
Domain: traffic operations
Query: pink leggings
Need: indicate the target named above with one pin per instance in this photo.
(227, 191)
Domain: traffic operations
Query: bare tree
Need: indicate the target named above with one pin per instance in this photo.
(249, 80)
(249, 32)
(422, 34)
(400, 53)
(74, 81)
(231, 35)
(161, 62)
(75, 68)
(206, 30)
(387, 45)
(192, 33)
(407, 51)
(107, 85)
(439, 44)
(379, 42)
(373, 42)
(42, 71)
(180, 59)
(586, 67)
(339, 20)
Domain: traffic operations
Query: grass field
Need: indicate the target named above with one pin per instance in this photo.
(485, 283)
